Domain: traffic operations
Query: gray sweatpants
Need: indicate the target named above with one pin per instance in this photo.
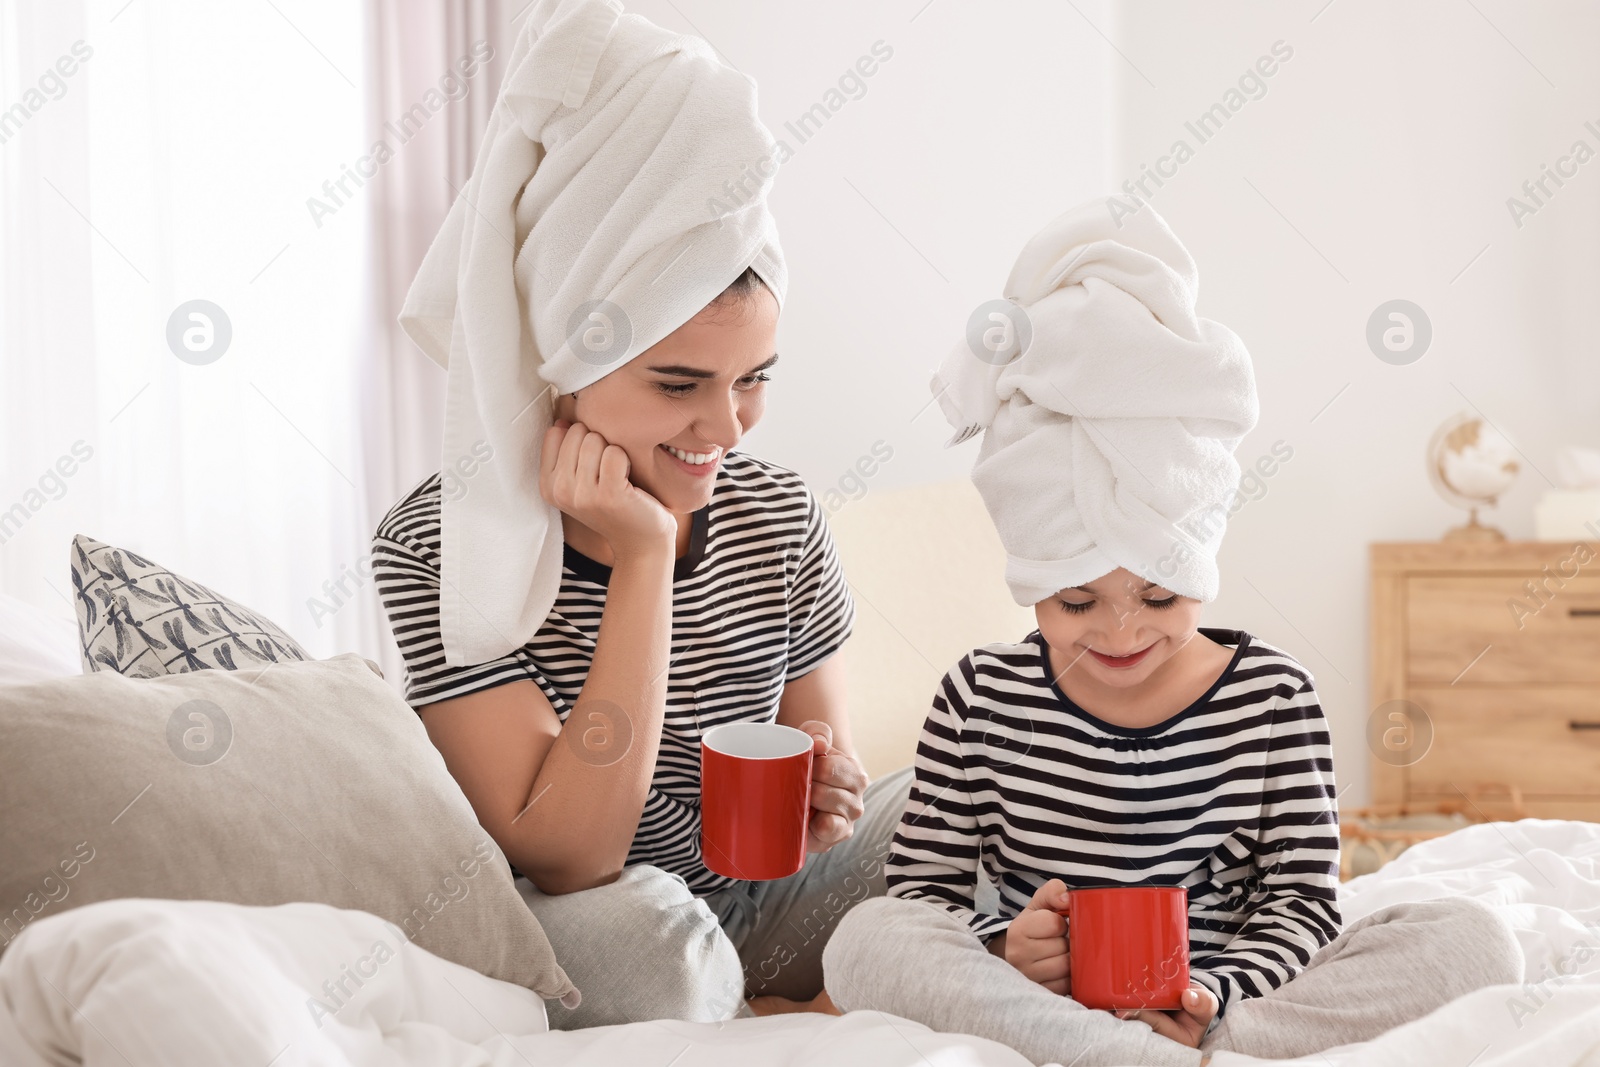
(645, 947)
(913, 959)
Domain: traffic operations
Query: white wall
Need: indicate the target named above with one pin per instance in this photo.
(906, 210)
(1376, 166)
(1391, 141)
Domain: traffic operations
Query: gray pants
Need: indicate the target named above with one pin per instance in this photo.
(910, 958)
(644, 947)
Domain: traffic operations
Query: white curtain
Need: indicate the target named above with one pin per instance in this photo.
(175, 164)
(200, 151)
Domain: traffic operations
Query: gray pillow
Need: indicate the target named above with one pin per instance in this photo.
(140, 618)
(299, 781)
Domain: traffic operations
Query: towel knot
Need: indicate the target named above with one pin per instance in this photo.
(1110, 410)
(558, 64)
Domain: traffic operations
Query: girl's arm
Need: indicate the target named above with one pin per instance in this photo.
(935, 852)
(1299, 873)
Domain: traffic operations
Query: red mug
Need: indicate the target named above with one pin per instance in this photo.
(1128, 946)
(755, 799)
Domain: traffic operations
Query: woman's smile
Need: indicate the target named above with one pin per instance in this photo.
(697, 464)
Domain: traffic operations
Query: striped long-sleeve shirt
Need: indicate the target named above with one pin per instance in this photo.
(758, 601)
(1232, 797)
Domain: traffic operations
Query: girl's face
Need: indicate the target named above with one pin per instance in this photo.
(1117, 630)
(680, 405)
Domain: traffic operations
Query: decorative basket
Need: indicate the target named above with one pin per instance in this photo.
(1372, 836)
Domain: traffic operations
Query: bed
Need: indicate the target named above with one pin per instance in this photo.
(143, 981)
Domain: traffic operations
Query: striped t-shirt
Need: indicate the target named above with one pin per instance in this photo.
(758, 601)
(1232, 797)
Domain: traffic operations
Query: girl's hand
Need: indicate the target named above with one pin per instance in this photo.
(1036, 940)
(1188, 1024)
(838, 783)
(587, 477)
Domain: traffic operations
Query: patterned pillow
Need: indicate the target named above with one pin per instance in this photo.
(138, 618)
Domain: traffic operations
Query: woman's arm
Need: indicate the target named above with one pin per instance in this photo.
(815, 703)
(819, 696)
(563, 803)
(565, 814)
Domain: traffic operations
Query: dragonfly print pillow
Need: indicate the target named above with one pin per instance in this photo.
(138, 618)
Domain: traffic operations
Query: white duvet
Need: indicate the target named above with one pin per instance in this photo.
(141, 983)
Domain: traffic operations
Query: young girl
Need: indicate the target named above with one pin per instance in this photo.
(1121, 743)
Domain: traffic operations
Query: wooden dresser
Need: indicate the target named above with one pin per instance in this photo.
(1506, 675)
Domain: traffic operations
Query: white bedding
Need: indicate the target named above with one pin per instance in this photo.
(154, 982)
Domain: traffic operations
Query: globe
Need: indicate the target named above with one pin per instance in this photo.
(1471, 464)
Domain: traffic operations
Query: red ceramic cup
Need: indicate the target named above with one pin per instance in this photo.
(755, 799)
(1128, 946)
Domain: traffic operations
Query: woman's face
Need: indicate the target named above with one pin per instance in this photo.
(698, 391)
(1118, 617)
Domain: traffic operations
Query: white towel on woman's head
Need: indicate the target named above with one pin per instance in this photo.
(1108, 442)
(622, 163)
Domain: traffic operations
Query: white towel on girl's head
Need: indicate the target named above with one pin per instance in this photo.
(620, 186)
(1108, 441)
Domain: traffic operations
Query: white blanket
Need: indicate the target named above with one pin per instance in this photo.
(146, 982)
(1543, 875)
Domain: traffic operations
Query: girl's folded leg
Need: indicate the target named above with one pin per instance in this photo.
(915, 960)
(1384, 970)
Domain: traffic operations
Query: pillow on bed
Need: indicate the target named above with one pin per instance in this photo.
(137, 617)
(303, 781)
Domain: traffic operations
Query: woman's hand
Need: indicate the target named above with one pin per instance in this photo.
(1188, 1024)
(587, 477)
(1036, 940)
(838, 783)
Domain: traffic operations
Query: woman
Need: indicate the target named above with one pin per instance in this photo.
(590, 583)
